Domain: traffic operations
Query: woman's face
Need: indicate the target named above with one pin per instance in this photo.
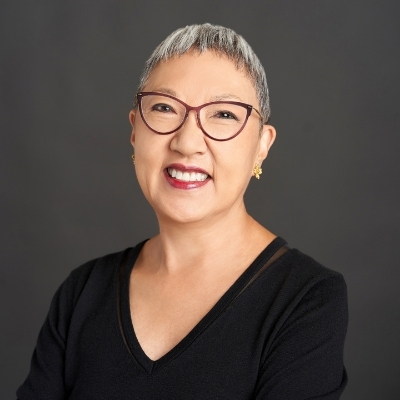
(197, 79)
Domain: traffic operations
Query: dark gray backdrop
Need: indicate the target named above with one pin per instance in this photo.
(330, 186)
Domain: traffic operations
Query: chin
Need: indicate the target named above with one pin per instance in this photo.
(181, 215)
(182, 218)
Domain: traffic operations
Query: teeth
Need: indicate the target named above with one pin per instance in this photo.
(187, 176)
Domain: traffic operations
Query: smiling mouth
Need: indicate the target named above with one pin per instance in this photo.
(186, 176)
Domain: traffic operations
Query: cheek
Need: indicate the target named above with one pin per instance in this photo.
(148, 145)
(150, 151)
(233, 171)
(240, 155)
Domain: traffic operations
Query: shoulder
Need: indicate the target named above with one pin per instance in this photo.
(305, 324)
(299, 270)
(307, 288)
(297, 284)
(308, 272)
(101, 264)
(96, 272)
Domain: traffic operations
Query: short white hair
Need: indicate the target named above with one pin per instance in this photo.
(221, 40)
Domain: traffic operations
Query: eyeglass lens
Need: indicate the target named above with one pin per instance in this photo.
(219, 120)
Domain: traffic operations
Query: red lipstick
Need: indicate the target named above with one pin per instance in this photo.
(180, 184)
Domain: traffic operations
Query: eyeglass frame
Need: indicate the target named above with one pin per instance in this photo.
(249, 108)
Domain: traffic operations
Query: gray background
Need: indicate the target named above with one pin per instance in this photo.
(330, 186)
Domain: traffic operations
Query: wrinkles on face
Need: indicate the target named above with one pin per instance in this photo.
(198, 79)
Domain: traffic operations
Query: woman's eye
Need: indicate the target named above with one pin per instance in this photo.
(165, 108)
(226, 115)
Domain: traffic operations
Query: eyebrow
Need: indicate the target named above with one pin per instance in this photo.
(166, 91)
(224, 96)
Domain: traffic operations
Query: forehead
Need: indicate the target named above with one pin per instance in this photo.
(197, 77)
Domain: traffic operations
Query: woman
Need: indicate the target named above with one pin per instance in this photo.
(215, 306)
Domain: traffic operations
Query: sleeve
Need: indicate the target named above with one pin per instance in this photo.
(305, 360)
(45, 380)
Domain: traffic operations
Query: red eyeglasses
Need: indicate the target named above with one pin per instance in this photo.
(219, 120)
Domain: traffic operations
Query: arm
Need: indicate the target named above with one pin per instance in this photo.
(47, 372)
(305, 359)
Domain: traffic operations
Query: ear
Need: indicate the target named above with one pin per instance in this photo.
(267, 139)
(132, 116)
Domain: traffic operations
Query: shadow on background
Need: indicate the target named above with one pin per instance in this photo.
(330, 186)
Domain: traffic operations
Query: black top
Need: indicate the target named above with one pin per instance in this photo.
(280, 338)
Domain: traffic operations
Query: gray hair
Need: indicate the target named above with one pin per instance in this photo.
(221, 40)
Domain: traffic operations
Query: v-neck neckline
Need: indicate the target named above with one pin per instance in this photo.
(128, 332)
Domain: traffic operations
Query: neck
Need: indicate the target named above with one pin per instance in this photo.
(203, 244)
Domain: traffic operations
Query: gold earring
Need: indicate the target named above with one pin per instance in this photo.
(133, 159)
(257, 171)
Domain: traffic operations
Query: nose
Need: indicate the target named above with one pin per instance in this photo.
(189, 139)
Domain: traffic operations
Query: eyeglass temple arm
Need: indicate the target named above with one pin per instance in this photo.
(262, 119)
